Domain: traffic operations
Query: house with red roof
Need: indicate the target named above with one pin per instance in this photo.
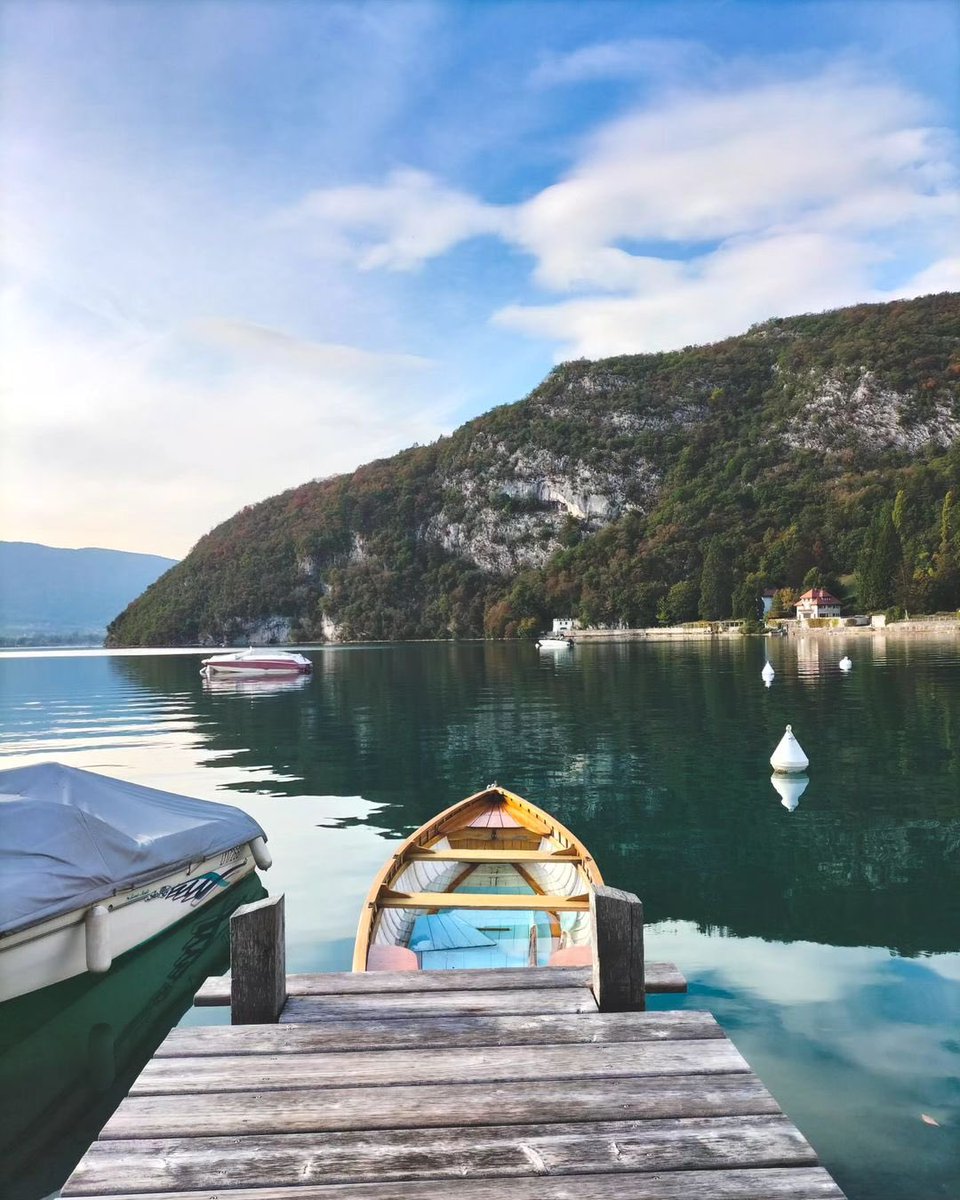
(817, 602)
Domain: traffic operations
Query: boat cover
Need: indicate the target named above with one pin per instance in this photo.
(69, 838)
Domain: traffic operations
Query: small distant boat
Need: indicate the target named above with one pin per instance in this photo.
(492, 881)
(258, 662)
(91, 867)
(553, 642)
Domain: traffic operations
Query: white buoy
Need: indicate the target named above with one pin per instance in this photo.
(767, 673)
(845, 663)
(790, 788)
(789, 758)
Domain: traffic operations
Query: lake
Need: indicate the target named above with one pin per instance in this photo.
(822, 929)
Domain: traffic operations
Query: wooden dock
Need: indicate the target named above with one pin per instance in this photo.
(469, 1085)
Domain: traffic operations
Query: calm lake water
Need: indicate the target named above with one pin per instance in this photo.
(823, 931)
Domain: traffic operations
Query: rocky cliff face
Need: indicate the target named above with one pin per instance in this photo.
(510, 515)
(599, 492)
(857, 411)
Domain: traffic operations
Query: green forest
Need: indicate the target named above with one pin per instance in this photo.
(812, 450)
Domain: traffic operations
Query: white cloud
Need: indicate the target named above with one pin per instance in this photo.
(801, 191)
(695, 216)
(399, 225)
(941, 276)
(713, 296)
(623, 59)
(707, 167)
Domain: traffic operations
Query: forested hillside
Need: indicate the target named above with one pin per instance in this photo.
(636, 489)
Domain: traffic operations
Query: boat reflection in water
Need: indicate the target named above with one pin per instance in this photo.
(254, 685)
(69, 1053)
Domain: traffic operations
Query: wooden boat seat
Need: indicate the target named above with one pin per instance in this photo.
(572, 956)
(494, 856)
(391, 958)
(495, 900)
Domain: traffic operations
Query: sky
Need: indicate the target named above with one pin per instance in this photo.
(248, 244)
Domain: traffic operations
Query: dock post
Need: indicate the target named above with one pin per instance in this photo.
(616, 918)
(258, 962)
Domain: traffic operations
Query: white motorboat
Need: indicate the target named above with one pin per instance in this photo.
(91, 867)
(554, 642)
(258, 662)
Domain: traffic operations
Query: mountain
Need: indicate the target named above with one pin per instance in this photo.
(49, 594)
(626, 490)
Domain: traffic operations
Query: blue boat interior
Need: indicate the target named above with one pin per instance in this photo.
(471, 938)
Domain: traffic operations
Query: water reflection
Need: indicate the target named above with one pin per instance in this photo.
(826, 942)
(233, 685)
(789, 788)
(81, 1043)
(651, 752)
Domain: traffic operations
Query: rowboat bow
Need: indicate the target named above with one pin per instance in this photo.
(492, 881)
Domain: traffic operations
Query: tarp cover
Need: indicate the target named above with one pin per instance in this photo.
(69, 838)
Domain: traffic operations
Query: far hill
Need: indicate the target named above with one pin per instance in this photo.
(629, 490)
(49, 595)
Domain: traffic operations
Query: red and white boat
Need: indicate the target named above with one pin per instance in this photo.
(258, 662)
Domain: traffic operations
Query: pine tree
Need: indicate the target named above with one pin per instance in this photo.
(715, 583)
(878, 567)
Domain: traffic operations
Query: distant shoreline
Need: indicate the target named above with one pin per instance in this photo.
(928, 627)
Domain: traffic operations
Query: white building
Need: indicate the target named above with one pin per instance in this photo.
(817, 602)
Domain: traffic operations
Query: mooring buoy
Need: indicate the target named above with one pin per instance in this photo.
(789, 758)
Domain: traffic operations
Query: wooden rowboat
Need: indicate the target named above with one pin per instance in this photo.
(492, 881)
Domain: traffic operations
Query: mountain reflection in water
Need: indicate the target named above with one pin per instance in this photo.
(824, 931)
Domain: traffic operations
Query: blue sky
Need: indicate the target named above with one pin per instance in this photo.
(250, 244)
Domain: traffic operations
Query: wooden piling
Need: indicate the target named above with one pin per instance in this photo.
(258, 962)
(616, 918)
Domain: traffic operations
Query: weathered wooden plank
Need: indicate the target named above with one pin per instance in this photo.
(385, 1005)
(483, 901)
(491, 1151)
(271, 1072)
(777, 1183)
(424, 1106)
(423, 1033)
(616, 920)
(660, 977)
(341, 983)
(258, 962)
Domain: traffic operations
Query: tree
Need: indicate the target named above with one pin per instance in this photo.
(813, 579)
(748, 599)
(784, 602)
(715, 583)
(679, 604)
(878, 567)
(899, 510)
